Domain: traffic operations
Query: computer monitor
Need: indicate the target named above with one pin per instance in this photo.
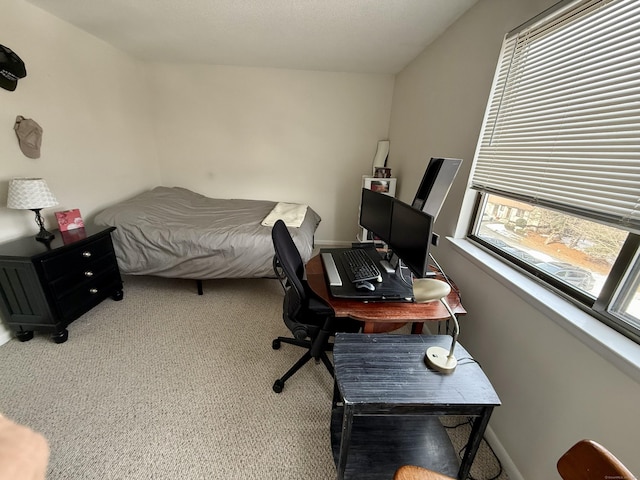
(411, 232)
(435, 185)
(375, 213)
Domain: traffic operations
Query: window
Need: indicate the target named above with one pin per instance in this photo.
(557, 167)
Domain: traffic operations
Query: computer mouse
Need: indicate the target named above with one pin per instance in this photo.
(365, 285)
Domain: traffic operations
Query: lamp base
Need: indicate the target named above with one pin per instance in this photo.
(438, 358)
(44, 236)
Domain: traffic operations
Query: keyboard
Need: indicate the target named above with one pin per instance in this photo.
(359, 265)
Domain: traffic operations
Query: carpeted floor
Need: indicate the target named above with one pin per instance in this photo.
(167, 384)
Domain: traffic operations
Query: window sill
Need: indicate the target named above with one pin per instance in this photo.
(615, 347)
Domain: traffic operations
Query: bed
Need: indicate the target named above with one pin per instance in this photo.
(176, 233)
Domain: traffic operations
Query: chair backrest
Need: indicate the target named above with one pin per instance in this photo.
(288, 255)
(588, 460)
(292, 265)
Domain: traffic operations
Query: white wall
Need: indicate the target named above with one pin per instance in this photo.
(282, 135)
(92, 103)
(555, 390)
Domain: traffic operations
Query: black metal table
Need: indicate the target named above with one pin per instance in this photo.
(387, 403)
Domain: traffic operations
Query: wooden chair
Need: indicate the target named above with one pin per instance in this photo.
(589, 460)
(586, 460)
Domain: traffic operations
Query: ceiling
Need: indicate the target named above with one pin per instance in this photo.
(365, 36)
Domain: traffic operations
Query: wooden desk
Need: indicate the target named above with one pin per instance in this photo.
(387, 402)
(380, 316)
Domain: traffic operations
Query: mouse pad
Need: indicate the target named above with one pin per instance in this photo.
(391, 289)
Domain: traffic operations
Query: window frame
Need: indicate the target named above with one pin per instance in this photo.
(598, 307)
(581, 324)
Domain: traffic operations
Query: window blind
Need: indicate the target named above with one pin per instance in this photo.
(562, 126)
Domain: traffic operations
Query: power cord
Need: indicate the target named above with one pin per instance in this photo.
(400, 268)
(461, 451)
(446, 278)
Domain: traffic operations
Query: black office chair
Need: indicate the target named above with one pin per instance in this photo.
(311, 321)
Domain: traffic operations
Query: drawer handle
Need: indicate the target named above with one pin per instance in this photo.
(88, 273)
(86, 254)
(93, 290)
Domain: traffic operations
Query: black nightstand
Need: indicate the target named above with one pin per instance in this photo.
(45, 287)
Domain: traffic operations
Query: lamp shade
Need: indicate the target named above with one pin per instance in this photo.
(30, 194)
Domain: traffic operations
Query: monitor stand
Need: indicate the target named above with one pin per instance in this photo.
(394, 263)
(387, 266)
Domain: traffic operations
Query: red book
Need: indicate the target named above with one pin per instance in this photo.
(69, 220)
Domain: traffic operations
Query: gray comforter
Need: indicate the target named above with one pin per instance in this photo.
(176, 233)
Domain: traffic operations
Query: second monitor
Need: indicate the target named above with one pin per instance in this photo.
(411, 232)
(406, 230)
(375, 214)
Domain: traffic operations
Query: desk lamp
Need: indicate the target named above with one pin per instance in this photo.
(32, 194)
(429, 290)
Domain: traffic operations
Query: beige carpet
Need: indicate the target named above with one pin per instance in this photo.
(167, 384)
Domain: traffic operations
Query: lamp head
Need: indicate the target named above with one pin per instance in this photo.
(429, 290)
(32, 194)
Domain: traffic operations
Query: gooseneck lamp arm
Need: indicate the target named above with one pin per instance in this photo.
(429, 290)
(456, 330)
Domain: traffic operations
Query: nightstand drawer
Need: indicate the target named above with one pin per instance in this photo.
(75, 277)
(77, 259)
(88, 295)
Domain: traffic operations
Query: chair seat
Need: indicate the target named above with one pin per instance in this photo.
(411, 472)
(318, 307)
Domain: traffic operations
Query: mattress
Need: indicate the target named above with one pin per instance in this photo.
(176, 233)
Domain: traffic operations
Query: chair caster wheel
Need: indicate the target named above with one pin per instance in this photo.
(278, 386)
(275, 344)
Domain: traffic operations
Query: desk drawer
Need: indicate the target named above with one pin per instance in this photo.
(76, 259)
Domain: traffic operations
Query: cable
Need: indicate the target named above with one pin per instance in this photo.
(460, 452)
(400, 267)
(446, 278)
(470, 360)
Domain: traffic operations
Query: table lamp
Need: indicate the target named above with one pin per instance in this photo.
(32, 194)
(429, 290)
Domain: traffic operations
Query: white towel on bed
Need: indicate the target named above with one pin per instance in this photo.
(292, 214)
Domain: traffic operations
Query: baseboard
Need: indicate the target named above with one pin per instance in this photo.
(5, 336)
(507, 464)
(331, 244)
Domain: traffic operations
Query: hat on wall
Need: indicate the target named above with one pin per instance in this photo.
(29, 136)
(11, 69)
